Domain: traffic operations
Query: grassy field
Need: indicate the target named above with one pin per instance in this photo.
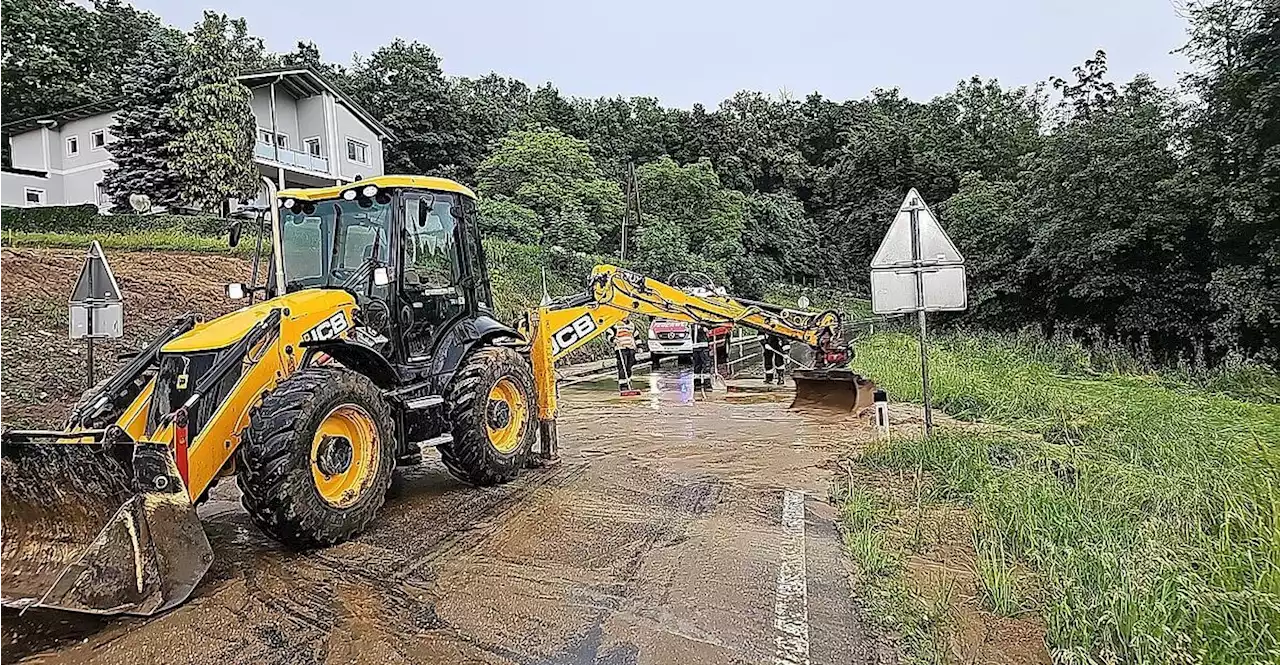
(1139, 515)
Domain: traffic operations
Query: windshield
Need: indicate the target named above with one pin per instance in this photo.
(324, 243)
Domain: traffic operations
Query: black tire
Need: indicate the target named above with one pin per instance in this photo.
(471, 456)
(655, 360)
(275, 458)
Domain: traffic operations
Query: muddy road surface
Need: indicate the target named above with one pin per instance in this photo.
(678, 528)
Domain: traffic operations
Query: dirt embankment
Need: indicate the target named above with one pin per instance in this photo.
(43, 370)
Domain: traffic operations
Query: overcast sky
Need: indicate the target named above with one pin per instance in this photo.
(687, 51)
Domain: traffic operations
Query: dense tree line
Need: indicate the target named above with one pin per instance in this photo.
(1101, 209)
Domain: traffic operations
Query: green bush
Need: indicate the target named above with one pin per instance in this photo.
(87, 219)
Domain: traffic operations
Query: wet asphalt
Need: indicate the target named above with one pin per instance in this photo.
(679, 527)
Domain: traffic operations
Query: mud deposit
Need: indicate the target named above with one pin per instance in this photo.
(656, 540)
(44, 371)
(659, 539)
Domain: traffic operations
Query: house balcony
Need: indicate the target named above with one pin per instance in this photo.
(291, 158)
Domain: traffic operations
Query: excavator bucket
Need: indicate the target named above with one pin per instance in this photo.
(98, 528)
(832, 390)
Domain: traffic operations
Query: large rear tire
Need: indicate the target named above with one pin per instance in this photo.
(317, 457)
(492, 410)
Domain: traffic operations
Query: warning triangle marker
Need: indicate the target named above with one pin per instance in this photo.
(96, 282)
(936, 247)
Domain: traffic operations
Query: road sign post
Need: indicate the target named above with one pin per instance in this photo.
(918, 269)
(96, 309)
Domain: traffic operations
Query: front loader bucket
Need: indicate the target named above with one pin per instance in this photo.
(105, 529)
(832, 390)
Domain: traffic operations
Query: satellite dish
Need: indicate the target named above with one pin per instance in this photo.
(803, 302)
(140, 203)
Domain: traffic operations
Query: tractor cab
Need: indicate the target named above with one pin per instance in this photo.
(407, 248)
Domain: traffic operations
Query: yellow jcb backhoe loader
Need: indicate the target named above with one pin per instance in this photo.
(375, 339)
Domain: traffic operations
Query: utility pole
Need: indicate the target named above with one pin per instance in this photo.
(626, 214)
(631, 192)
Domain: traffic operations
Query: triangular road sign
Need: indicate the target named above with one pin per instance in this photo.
(935, 247)
(96, 282)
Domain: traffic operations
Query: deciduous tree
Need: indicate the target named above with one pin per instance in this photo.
(213, 152)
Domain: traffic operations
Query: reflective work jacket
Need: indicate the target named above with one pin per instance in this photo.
(623, 338)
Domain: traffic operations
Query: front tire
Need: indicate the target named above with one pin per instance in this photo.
(655, 360)
(317, 457)
(492, 410)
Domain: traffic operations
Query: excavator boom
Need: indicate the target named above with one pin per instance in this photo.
(558, 328)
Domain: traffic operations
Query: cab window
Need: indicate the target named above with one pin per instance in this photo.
(430, 246)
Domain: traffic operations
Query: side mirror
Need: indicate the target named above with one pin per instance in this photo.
(381, 276)
(236, 291)
(424, 212)
(234, 238)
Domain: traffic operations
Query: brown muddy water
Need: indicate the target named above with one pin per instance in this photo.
(679, 528)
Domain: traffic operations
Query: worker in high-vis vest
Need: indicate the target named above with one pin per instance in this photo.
(624, 347)
(776, 351)
(701, 358)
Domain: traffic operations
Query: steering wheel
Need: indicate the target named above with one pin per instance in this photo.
(376, 315)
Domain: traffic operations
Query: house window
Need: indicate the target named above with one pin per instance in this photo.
(358, 152)
(73, 146)
(313, 146)
(282, 140)
(33, 195)
(99, 193)
(98, 139)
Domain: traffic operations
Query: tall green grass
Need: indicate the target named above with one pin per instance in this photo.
(891, 603)
(1148, 508)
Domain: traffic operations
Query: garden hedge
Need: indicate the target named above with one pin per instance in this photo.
(87, 219)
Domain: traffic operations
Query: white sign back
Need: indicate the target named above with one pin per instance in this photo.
(917, 267)
(935, 246)
(96, 307)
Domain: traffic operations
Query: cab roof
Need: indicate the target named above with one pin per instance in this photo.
(381, 181)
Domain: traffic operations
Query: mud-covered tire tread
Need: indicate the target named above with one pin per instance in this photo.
(274, 459)
(470, 457)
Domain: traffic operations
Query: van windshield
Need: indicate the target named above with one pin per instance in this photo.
(324, 243)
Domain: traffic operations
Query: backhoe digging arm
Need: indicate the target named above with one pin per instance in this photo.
(558, 328)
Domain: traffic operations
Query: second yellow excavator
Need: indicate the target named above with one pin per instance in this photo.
(375, 340)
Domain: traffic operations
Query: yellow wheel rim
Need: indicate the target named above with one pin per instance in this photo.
(505, 414)
(344, 454)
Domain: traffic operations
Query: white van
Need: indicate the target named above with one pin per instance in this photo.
(675, 339)
(669, 338)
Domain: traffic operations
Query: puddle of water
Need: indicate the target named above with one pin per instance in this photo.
(665, 386)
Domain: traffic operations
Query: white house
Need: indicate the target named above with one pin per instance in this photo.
(309, 134)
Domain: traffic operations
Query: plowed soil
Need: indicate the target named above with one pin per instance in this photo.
(44, 370)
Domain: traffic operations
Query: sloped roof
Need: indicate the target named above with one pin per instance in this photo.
(298, 81)
(305, 82)
(61, 117)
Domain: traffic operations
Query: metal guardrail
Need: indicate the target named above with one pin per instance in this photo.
(289, 157)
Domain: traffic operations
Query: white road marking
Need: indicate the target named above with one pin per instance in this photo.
(791, 609)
